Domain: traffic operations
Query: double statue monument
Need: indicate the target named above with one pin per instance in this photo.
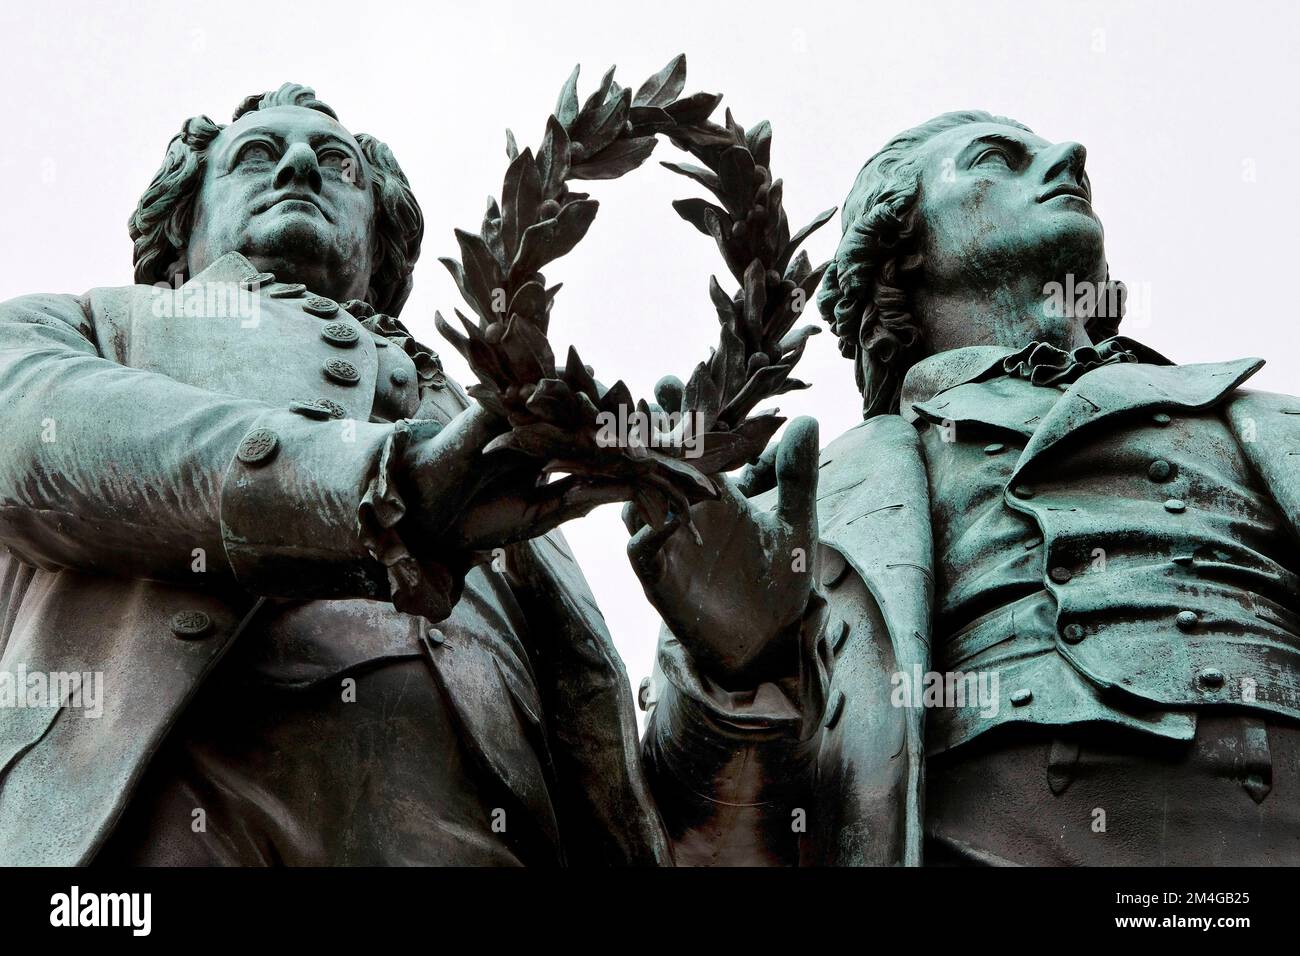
(1040, 606)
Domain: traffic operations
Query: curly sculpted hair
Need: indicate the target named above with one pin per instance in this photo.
(160, 225)
(865, 295)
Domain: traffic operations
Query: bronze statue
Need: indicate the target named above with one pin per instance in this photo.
(227, 490)
(1093, 546)
(1045, 588)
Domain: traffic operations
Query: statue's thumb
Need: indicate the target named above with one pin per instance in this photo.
(796, 473)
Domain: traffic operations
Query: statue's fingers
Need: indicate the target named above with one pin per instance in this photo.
(645, 551)
(632, 519)
(761, 475)
(560, 501)
(527, 515)
(796, 474)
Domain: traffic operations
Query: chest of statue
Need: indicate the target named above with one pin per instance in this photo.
(243, 333)
(1143, 556)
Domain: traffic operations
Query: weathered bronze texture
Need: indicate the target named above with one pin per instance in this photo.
(1096, 545)
(1041, 606)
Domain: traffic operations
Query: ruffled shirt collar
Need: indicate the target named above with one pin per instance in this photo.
(945, 370)
(1044, 364)
(428, 366)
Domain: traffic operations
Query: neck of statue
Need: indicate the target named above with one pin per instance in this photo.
(1010, 315)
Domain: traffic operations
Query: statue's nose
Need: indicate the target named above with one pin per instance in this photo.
(298, 165)
(1065, 159)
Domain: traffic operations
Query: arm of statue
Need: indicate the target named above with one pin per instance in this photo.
(738, 696)
(114, 470)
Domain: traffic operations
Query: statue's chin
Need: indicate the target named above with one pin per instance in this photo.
(293, 234)
(1072, 245)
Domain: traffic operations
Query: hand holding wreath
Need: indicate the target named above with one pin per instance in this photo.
(553, 413)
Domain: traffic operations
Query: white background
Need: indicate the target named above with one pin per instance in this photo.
(1188, 112)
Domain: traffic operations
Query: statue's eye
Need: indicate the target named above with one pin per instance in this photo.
(335, 159)
(993, 156)
(255, 153)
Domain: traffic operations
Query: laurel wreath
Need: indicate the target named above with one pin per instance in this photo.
(553, 411)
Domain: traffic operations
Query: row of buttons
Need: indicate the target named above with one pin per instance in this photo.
(190, 625)
(340, 334)
(286, 290)
(1159, 471)
(1209, 679)
(1185, 621)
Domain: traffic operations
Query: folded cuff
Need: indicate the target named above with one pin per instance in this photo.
(310, 509)
(424, 587)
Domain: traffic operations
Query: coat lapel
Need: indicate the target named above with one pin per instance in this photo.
(1113, 390)
(873, 510)
(1013, 404)
(238, 341)
(1267, 428)
(603, 800)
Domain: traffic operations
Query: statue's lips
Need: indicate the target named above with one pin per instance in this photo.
(1065, 190)
(295, 201)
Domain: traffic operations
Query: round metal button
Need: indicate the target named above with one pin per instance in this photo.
(1022, 491)
(258, 447)
(290, 290)
(190, 624)
(1187, 620)
(1175, 506)
(1161, 419)
(319, 408)
(1021, 697)
(343, 372)
(319, 305)
(341, 334)
(1061, 575)
(1160, 470)
(399, 377)
(995, 448)
(253, 283)
(1211, 678)
(1073, 633)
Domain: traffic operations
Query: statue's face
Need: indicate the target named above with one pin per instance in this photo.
(999, 202)
(290, 189)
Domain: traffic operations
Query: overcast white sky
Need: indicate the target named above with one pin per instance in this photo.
(1187, 109)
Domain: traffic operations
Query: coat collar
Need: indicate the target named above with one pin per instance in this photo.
(968, 385)
(1113, 390)
(232, 267)
(977, 363)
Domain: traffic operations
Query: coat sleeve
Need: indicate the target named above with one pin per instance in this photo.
(732, 771)
(115, 470)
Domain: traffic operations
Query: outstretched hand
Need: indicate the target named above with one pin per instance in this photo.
(733, 598)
